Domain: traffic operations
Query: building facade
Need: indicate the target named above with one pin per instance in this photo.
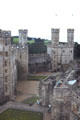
(62, 54)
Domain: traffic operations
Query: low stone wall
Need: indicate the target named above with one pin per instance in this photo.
(20, 106)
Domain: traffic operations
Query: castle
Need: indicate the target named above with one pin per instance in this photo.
(14, 59)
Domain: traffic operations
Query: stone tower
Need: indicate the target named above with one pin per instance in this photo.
(70, 37)
(70, 40)
(55, 43)
(62, 53)
(55, 37)
(23, 37)
(8, 67)
(22, 55)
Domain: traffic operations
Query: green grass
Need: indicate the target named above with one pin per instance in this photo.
(30, 41)
(46, 42)
(12, 114)
(36, 78)
(16, 40)
(31, 100)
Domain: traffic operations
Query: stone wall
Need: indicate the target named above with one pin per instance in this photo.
(61, 103)
(46, 88)
(39, 63)
(22, 62)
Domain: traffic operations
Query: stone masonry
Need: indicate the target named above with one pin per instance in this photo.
(13, 64)
(8, 71)
(22, 55)
(63, 97)
(62, 54)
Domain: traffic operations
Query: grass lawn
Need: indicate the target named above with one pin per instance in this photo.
(16, 40)
(31, 100)
(36, 78)
(12, 114)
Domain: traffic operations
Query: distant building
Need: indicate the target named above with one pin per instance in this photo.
(62, 54)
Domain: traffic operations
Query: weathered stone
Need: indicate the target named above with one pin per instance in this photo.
(62, 53)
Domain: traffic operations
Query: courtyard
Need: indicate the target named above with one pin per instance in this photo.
(12, 114)
(27, 89)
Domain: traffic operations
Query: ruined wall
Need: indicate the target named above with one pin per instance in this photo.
(46, 87)
(61, 103)
(63, 98)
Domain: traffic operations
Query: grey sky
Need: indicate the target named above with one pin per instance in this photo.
(39, 16)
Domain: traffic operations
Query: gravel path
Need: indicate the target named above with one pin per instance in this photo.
(27, 89)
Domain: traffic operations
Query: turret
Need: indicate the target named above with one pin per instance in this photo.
(55, 37)
(23, 37)
(70, 37)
